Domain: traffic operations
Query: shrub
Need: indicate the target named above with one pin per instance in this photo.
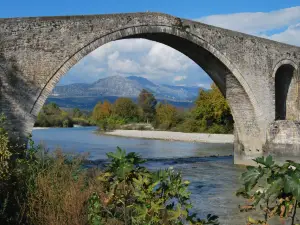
(82, 121)
(111, 123)
(137, 196)
(61, 193)
(52, 116)
(274, 188)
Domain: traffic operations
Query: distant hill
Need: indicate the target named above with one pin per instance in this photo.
(87, 95)
(127, 87)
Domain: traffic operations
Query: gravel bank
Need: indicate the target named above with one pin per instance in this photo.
(174, 136)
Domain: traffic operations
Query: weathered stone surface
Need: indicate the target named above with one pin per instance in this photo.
(36, 52)
(283, 140)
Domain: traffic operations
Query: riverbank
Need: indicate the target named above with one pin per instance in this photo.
(40, 128)
(174, 136)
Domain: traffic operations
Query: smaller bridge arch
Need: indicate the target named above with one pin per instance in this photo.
(286, 90)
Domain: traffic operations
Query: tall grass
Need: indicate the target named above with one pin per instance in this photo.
(61, 193)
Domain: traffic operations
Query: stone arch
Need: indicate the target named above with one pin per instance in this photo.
(286, 90)
(284, 62)
(216, 64)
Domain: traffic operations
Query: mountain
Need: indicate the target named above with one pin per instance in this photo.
(125, 87)
(142, 81)
(110, 86)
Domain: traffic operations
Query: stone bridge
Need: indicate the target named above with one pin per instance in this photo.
(258, 77)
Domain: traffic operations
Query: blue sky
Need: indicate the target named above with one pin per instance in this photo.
(274, 19)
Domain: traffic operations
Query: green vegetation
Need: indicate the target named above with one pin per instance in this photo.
(52, 116)
(211, 113)
(52, 189)
(274, 188)
(147, 103)
(41, 188)
(167, 116)
(111, 116)
(125, 108)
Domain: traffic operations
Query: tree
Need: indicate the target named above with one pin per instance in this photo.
(125, 108)
(51, 109)
(52, 116)
(166, 116)
(212, 111)
(147, 102)
(102, 111)
(77, 113)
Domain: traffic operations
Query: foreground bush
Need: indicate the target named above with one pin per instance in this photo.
(61, 192)
(39, 188)
(137, 196)
(273, 189)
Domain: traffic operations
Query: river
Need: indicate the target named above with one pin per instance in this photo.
(214, 180)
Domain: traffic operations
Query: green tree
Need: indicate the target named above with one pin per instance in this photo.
(51, 109)
(52, 116)
(212, 111)
(125, 108)
(147, 102)
(166, 116)
(77, 113)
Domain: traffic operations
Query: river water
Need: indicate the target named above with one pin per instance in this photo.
(214, 180)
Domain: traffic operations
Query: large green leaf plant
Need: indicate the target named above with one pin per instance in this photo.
(138, 196)
(272, 188)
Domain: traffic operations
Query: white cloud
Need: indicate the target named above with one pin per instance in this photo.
(166, 58)
(290, 35)
(125, 46)
(139, 56)
(122, 65)
(257, 22)
(179, 78)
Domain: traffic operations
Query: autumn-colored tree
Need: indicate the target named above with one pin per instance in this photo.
(147, 102)
(166, 116)
(125, 108)
(102, 111)
(96, 112)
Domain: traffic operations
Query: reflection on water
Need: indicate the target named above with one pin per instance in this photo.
(213, 179)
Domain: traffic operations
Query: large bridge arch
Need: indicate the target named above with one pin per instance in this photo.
(243, 106)
(219, 68)
(38, 51)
